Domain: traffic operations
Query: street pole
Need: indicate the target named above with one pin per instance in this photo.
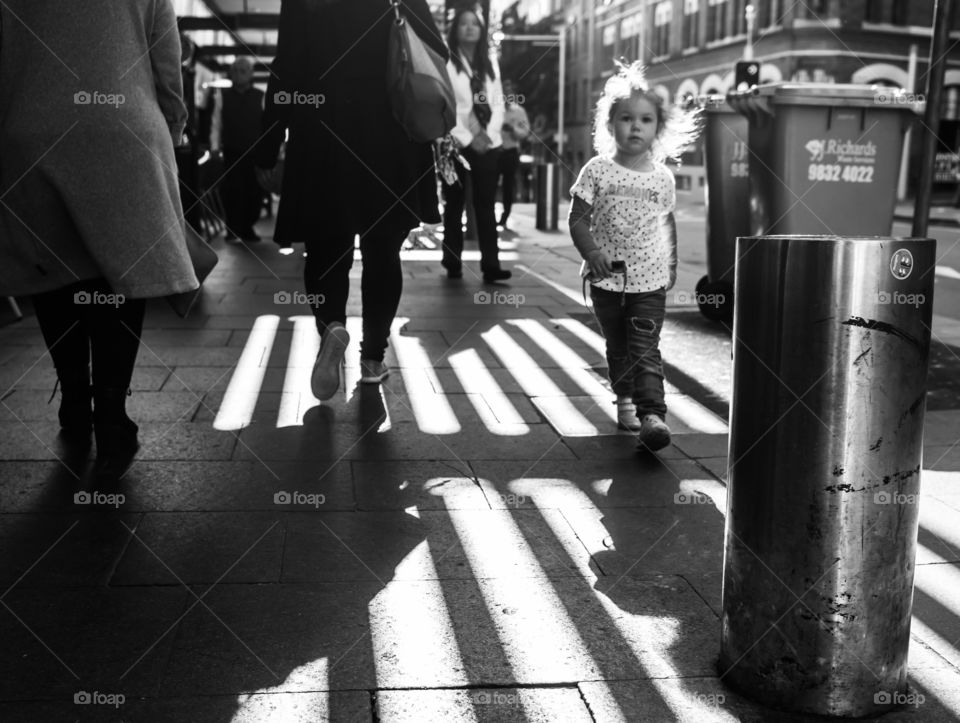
(931, 121)
(907, 136)
(562, 82)
(751, 14)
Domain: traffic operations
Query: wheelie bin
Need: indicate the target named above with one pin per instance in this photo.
(824, 156)
(727, 196)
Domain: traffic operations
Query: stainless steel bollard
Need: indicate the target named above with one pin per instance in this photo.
(831, 350)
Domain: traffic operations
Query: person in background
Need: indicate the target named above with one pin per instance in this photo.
(349, 170)
(516, 127)
(476, 84)
(187, 151)
(234, 132)
(90, 220)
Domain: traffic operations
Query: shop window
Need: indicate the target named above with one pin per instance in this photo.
(662, 15)
(716, 19)
(691, 23)
(891, 12)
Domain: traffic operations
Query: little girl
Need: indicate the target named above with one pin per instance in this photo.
(621, 221)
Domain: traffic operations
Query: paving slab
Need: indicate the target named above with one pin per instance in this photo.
(183, 441)
(679, 539)
(279, 638)
(319, 707)
(427, 544)
(29, 486)
(73, 640)
(638, 481)
(398, 485)
(284, 636)
(322, 437)
(171, 548)
(194, 486)
(76, 548)
(484, 705)
(708, 700)
(620, 446)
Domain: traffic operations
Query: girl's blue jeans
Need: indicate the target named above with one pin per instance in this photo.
(631, 325)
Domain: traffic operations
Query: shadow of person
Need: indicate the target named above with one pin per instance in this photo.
(300, 641)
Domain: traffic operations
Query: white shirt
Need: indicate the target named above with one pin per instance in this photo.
(627, 221)
(467, 124)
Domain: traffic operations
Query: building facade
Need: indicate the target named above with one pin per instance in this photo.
(690, 48)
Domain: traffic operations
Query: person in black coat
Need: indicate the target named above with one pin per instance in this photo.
(349, 167)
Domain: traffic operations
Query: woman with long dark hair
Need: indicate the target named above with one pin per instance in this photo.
(476, 84)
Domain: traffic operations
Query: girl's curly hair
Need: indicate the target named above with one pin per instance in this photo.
(676, 128)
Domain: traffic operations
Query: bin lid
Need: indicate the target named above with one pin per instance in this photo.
(832, 94)
(714, 104)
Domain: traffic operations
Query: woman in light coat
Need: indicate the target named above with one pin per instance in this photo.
(90, 216)
(476, 84)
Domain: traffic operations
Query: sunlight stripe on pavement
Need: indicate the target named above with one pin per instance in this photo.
(572, 364)
(545, 395)
(240, 399)
(688, 411)
(552, 284)
(493, 407)
(411, 631)
(425, 393)
(297, 397)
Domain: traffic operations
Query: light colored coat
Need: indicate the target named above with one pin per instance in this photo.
(467, 125)
(90, 100)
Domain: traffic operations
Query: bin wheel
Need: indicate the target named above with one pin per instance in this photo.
(715, 299)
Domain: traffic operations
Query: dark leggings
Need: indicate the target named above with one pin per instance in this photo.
(87, 319)
(326, 279)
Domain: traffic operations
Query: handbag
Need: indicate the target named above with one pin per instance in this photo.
(203, 259)
(418, 86)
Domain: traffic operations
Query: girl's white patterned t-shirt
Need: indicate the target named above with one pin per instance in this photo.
(627, 222)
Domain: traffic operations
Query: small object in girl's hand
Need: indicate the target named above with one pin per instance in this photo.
(619, 267)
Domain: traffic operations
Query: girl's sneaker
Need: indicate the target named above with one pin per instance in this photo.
(627, 415)
(654, 433)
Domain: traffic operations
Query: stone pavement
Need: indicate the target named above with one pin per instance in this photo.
(473, 542)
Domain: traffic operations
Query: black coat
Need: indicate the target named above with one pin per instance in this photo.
(349, 164)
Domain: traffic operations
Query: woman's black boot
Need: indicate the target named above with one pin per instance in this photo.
(116, 435)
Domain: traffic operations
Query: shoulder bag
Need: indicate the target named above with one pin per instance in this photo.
(417, 83)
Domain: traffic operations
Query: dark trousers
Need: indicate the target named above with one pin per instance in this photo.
(85, 320)
(242, 195)
(483, 178)
(509, 163)
(326, 278)
(631, 325)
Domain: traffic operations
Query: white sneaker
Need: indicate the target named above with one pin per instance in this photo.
(373, 371)
(627, 414)
(654, 433)
(325, 379)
